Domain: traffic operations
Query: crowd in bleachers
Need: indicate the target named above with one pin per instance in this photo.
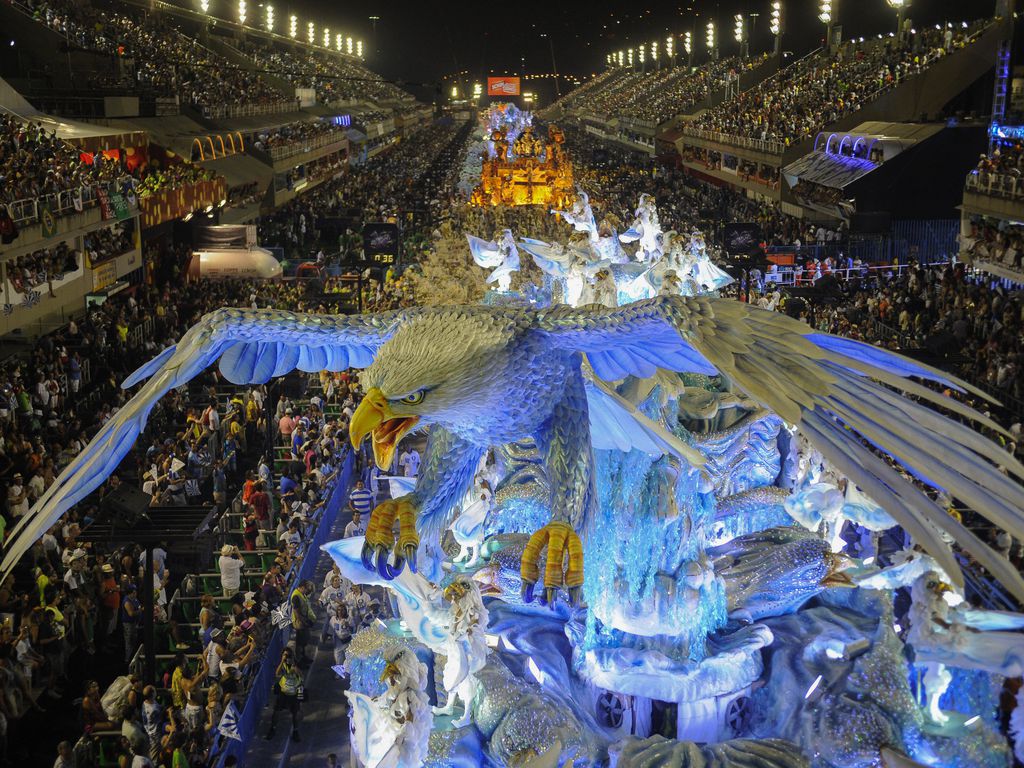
(295, 133)
(73, 600)
(809, 95)
(156, 178)
(999, 172)
(659, 93)
(34, 162)
(1002, 245)
(409, 177)
(334, 77)
(166, 61)
(615, 179)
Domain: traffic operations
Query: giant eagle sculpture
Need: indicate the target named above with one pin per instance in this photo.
(480, 376)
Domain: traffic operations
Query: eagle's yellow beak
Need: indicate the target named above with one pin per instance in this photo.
(374, 416)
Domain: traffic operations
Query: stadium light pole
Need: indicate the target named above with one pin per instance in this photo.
(293, 26)
(776, 25)
(900, 6)
(711, 40)
(688, 47)
(740, 33)
(241, 12)
(631, 58)
(311, 33)
(825, 16)
(670, 50)
(204, 6)
(359, 48)
(642, 50)
(554, 66)
(270, 18)
(654, 55)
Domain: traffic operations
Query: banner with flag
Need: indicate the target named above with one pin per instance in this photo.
(120, 205)
(228, 726)
(47, 221)
(105, 210)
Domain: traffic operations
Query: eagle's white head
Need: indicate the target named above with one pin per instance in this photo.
(452, 367)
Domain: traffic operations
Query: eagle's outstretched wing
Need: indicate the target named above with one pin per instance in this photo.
(252, 345)
(847, 397)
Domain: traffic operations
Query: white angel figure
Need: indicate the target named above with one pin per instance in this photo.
(466, 648)
(502, 257)
(646, 228)
(468, 529)
(581, 215)
(393, 729)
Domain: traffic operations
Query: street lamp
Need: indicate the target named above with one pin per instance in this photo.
(776, 25)
(311, 33)
(293, 26)
(710, 39)
(241, 12)
(900, 6)
(270, 18)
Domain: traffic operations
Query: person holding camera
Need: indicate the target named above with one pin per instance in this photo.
(230, 565)
(289, 693)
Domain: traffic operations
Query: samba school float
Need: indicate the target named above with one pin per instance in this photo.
(646, 530)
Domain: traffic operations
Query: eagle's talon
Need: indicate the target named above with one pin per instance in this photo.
(526, 591)
(366, 555)
(380, 539)
(562, 544)
(410, 556)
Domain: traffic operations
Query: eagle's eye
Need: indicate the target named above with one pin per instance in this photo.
(415, 398)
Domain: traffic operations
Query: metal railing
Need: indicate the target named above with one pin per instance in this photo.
(744, 142)
(229, 111)
(305, 145)
(28, 210)
(797, 274)
(992, 184)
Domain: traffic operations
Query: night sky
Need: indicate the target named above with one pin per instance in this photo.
(424, 41)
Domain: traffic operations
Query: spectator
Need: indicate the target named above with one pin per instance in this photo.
(230, 565)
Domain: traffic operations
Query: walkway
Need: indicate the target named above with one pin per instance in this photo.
(324, 726)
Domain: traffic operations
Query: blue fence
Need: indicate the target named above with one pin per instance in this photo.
(263, 680)
(926, 241)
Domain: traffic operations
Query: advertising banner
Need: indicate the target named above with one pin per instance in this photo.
(502, 86)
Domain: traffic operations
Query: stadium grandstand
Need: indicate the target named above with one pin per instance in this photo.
(162, 161)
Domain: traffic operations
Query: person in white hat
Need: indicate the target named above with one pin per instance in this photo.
(230, 565)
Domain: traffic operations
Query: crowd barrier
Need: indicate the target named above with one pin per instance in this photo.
(263, 680)
(1006, 185)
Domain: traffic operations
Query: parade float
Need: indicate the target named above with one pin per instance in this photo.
(516, 165)
(653, 526)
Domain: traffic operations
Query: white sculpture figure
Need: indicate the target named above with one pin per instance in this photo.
(929, 623)
(817, 503)
(455, 630)
(646, 228)
(466, 649)
(600, 289)
(581, 215)
(468, 529)
(393, 729)
(1017, 726)
(502, 257)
